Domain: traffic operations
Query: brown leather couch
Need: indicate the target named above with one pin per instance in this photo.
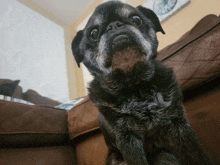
(32, 134)
(41, 134)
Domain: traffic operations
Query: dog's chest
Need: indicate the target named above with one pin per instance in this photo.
(152, 107)
(140, 116)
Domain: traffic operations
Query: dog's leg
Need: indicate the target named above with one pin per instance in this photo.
(191, 150)
(114, 158)
(166, 159)
(131, 148)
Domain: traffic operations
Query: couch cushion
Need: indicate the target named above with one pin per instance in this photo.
(23, 124)
(195, 57)
(8, 87)
(34, 97)
(92, 151)
(56, 155)
(204, 117)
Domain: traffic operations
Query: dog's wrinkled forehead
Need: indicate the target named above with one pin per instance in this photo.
(107, 12)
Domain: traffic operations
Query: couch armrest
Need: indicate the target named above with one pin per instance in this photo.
(23, 125)
(83, 118)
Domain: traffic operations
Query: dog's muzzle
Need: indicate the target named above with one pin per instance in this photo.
(119, 36)
(120, 41)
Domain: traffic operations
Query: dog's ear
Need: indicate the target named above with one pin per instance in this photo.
(75, 47)
(153, 17)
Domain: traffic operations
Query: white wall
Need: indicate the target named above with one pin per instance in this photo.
(32, 50)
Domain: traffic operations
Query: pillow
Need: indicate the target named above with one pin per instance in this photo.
(8, 87)
(8, 98)
(66, 106)
(34, 97)
(69, 105)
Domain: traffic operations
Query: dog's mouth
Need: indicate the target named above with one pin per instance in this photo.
(125, 53)
(120, 42)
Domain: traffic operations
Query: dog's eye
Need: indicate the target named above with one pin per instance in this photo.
(94, 34)
(136, 20)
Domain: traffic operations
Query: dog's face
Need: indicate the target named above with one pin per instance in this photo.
(117, 36)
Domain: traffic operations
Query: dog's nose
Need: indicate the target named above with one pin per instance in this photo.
(114, 26)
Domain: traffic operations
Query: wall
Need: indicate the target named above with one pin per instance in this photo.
(32, 49)
(174, 27)
(185, 19)
(72, 66)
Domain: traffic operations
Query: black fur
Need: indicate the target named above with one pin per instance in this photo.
(75, 47)
(141, 111)
(153, 17)
(144, 123)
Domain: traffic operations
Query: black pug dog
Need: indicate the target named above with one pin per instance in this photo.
(140, 104)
